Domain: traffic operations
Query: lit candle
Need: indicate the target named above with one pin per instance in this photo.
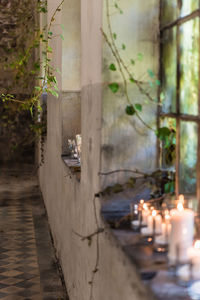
(154, 222)
(181, 238)
(145, 214)
(181, 199)
(163, 239)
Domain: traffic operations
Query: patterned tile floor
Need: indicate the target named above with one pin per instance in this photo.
(28, 267)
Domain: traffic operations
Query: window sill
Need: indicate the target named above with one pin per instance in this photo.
(152, 266)
(74, 166)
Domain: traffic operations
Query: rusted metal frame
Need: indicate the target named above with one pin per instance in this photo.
(183, 117)
(159, 110)
(198, 136)
(182, 20)
(177, 187)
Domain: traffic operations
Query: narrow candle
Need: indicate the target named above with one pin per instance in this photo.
(181, 238)
(145, 214)
(163, 239)
(153, 219)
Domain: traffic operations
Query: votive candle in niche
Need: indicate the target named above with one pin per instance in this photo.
(182, 232)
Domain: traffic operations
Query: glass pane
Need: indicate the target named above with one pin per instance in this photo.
(188, 157)
(189, 65)
(169, 70)
(168, 11)
(169, 145)
(188, 6)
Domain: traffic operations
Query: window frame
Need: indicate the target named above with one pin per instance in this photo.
(180, 116)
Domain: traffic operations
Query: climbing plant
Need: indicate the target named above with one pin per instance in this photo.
(32, 73)
(166, 134)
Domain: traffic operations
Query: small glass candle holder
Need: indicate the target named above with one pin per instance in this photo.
(135, 216)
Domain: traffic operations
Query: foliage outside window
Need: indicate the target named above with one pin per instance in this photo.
(180, 69)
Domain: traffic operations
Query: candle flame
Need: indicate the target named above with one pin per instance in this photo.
(145, 206)
(180, 206)
(152, 208)
(167, 217)
(154, 213)
(197, 244)
(141, 201)
(181, 199)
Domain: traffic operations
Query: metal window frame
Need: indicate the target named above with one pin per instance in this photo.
(178, 116)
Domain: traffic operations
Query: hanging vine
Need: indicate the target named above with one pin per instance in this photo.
(41, 72)
(164, 134)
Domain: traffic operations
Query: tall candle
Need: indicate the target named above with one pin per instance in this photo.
(153, 220)
(145, 214)
(181, 238)
(163, 239)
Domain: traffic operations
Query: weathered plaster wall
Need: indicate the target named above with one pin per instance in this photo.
(69, 203)
(126, 142)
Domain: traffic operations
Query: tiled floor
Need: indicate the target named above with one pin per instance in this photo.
(28, 267)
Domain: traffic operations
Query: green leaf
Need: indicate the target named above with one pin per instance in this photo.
(112, 67)
(162, 133)
(58, 71)
(54, 93)
(157, 82)
(140, 56)
(132, 61)
(56, 88)
(169, 187)
(138, 106)
(49, 49)
(62, 37)
(130, 110)
(151, 73)
(31, 111)
(38, 88)
(162, 96)
(36, 65)
(114, 87)
(123, 46)
(132, 79)
(114, 36)
(151, 84)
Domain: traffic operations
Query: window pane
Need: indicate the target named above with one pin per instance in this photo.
(188, 157)
(169, 145)
(169, 70)
(188, 6)
(189, 65)
(168, 11)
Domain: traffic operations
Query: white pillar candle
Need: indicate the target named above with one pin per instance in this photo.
(181, 238)
(145, 214)
(163, 239)
(158, 224)
(151, 219)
